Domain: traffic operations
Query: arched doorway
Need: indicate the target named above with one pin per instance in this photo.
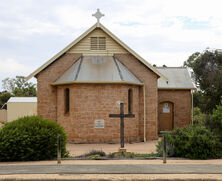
(166, 116)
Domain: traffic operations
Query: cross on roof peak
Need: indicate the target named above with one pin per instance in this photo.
(98, 15)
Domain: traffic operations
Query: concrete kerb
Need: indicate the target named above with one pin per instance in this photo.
(125, 161)
(105, 177)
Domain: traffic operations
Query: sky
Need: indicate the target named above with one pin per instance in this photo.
(161, 31)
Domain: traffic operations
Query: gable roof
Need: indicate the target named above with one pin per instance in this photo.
(84, 35)
(178, 78)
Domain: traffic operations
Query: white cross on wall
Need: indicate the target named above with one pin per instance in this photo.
(98, 15)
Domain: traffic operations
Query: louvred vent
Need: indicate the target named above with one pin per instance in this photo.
(98, 43)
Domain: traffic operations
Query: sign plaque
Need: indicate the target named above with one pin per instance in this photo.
(166, 108)
(99, 123)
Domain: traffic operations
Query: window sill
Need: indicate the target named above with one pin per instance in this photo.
(66, 114)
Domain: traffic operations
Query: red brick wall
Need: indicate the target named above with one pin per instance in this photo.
(89, 108)
(150, 81)
(89, 102)
(46, 92)
(181, 100)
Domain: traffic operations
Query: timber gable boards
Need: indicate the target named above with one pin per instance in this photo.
(83, 46)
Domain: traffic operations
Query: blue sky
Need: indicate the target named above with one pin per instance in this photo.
(161, 31)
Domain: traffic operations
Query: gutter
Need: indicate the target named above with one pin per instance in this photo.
(97, 82)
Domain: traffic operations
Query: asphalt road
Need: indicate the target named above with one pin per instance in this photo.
(112, 169)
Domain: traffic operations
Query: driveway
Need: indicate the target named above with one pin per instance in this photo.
(79, 149)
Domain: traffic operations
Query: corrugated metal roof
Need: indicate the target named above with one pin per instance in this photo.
(178, 78)
(22, 99)
(97, 69)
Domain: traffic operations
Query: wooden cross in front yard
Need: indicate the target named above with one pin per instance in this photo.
(122, 116)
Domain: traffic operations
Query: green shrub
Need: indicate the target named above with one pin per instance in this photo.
(199, 118)
(30, 138)
(193, 142)
(215, 122)
(169, 147)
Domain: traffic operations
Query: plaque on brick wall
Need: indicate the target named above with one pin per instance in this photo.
(99, 123)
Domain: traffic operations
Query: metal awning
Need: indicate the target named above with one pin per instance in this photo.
(98, 69)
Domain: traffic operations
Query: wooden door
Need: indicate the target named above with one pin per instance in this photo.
(165, 116)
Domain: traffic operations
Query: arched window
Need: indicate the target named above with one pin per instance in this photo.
(130, 101)
(67, 102)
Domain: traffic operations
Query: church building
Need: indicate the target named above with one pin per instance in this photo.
(86, 81)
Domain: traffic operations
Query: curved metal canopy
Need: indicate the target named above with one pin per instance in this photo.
(98, 69)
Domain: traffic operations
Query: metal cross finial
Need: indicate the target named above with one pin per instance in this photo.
(98, 15)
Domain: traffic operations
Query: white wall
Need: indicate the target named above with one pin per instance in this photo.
(16, 110)
(3, 115)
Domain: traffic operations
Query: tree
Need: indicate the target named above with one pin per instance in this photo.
(215, 121)
(199, 100)
(199, 118)
(19, 86)
(207, 74)
(4, 97)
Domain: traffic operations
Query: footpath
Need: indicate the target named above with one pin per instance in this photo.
(112, 170)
